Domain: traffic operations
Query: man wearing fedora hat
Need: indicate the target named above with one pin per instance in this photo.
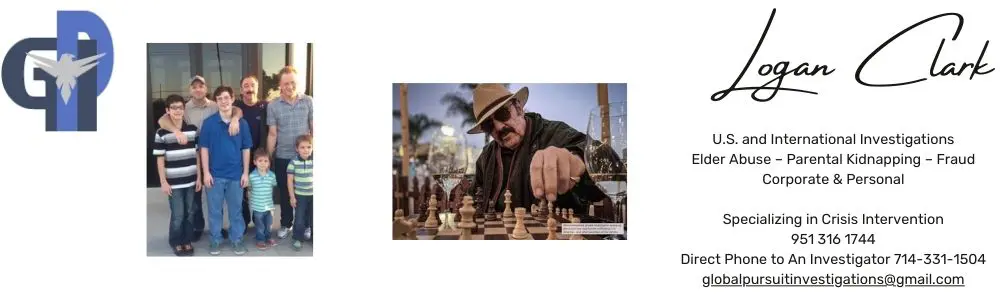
(533, 157)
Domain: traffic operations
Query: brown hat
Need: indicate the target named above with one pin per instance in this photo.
(487, 98)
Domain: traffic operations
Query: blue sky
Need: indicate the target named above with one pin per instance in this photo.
(570, 103)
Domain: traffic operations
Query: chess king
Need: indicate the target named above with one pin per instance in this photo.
(533, 157)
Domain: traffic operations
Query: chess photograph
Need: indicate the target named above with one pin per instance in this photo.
(229, 149)
(508, 161)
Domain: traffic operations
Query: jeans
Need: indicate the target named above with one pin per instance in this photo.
(198, 222)
(303, 213)
(181, 216)
(228, 192)
(262, 222)
(281, 174)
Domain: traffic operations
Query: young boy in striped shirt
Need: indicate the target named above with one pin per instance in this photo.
(180, 175)
(262, 183)
(300, 172)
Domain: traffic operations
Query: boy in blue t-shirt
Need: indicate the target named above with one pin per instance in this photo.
(226, 161)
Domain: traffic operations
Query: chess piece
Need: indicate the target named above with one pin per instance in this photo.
(399, 230)
(403, 229)
(508, 215)
(479, 202)
(542, 208)
(552, 209)
(398, 215)
(468, 223)
(491, 211)
(520, 233)
(553, 226)
(413, 224)
(562, 212)
(570, 216)
(552, 223)
(432, 208)
(534, 210)
(575, 221)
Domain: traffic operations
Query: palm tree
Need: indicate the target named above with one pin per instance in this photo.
(419, 124)
(459, 105)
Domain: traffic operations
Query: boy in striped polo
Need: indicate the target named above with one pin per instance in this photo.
(180, 176)
(262, 183)
(300, 196)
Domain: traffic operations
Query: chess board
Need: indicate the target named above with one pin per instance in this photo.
(498, 229)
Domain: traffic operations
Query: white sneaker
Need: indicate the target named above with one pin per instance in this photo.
(309, 233)
(283, 232)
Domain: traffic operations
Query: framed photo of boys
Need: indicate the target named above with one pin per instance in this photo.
(229, 140)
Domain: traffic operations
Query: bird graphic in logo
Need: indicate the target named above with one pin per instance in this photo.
(66, 70)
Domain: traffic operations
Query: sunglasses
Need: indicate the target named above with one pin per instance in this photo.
(501, 115)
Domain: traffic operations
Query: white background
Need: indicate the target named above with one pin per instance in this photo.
(74, 215)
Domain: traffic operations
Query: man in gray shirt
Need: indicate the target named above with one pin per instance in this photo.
(288, 117)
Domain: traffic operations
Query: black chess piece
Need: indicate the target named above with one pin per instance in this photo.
(491, 210)
(478, 202)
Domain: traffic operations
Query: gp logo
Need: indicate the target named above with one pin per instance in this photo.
(73, 81)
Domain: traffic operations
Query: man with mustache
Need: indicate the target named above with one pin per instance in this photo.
(533, 157)
(255, 113)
